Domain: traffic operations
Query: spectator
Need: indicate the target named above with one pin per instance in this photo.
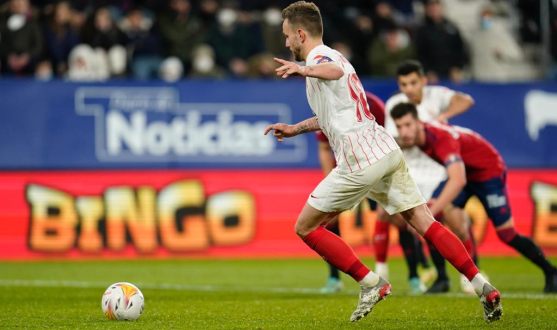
(238, 30)
(388, 51)
(181, 31)
(87, 64)
(77, 19)
(143, 43)
(439, 45)
(21, 40)
(101, 32)
(171, 69)
(107, 42)
(530, 26)
(464, 14)
(357, 62)
(383, 17)
(232, 42)
(553, 32)
(250, 21)
(361, 32)
(204, 66)
(208, 14)
(271, 26)
(496, 55)
(405, 7)
(262, 66)
(60, 37)
(43, 72)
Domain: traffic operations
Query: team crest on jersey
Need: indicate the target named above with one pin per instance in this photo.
(322, 59)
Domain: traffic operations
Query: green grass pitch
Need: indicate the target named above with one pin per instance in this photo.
(255, 294)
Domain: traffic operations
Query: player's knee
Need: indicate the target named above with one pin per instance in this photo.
(382, 215)
(507, 234)
(419, 218)
(301, 230)
(398, 221)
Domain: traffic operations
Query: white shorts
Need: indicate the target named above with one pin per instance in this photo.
(427, 173)
(387, 182)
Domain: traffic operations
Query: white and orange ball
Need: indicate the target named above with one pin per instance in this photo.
(123, 301)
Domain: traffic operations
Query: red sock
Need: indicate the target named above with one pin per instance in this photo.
(469, 246)
(452, 249)
(381, 240)
(336, 252)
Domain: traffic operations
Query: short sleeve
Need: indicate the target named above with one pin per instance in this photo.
(444, 95)
(389, 122)
(390, 125)
(447, 149)
(325, 56)
(377, 108)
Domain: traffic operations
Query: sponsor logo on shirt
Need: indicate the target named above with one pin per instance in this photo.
(322, 59)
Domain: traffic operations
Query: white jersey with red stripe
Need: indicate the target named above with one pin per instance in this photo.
(344, 115)
(426, 172)
(435, 100)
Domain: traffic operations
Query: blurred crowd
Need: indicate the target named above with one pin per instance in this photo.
(86, 40)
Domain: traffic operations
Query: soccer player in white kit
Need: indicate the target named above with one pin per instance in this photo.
(369, 164)
(433, 103)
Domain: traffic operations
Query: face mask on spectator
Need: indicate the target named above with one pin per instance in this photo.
(43, 72)
(16, 22)
(117, 59)
(399, 39)
(403, 39)
(203, 63)
(486, 23)
(227, 17)
(272, 16)
(171, 69)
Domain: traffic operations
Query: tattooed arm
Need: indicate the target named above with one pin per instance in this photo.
(284, 130)
(308, 125)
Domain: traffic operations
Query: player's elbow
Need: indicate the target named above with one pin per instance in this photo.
(324, 147)
(460, 181)
(469, 102)
(457, 180)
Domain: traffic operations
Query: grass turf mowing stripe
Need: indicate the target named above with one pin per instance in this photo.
(214, 288)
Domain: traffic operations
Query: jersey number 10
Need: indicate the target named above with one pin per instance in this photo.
(357, 93)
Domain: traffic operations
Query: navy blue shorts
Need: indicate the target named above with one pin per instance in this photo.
(492, 193)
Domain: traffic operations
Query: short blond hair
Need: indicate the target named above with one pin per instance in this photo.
(305, 15)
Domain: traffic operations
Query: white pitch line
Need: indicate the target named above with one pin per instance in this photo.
(215, 288)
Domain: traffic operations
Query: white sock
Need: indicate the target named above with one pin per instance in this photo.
(382, 269)
(478, 283)
(371, 279)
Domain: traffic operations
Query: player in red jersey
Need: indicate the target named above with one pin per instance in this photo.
(474, 168)
(369, 164)
(411, 246)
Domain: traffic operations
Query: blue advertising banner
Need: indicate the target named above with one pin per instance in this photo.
(129, 125)
(220, 124)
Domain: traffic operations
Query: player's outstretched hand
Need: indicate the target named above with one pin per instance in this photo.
(281, 131)
(288, 68)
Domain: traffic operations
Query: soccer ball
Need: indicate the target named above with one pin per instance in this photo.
(123, 301)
